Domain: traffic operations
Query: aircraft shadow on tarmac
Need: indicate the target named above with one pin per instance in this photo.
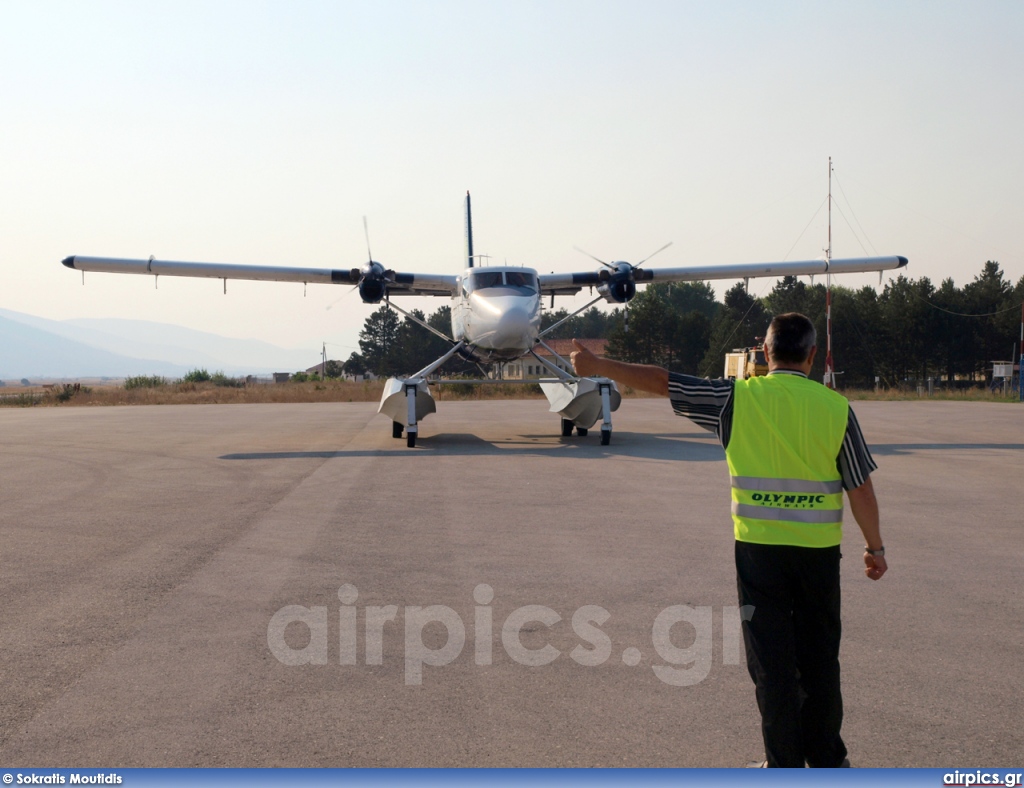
(891, 449)
(650, 446)
(674, 447)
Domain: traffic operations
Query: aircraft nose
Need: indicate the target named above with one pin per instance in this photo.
(512, 327)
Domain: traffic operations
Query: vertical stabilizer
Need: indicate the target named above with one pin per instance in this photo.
(469, 232)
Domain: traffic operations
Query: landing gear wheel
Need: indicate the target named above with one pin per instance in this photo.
(566, 427)
(606, 437)
(581, 431)
(396, 429)
(410, 440)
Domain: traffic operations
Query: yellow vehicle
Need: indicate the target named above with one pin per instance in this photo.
(746, 362)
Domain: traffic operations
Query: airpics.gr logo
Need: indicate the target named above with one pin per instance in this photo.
(788, 501)
(978, 777)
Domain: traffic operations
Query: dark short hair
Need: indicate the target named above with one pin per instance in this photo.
(790, 338)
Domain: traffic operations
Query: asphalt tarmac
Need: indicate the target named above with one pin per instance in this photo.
(157, 565)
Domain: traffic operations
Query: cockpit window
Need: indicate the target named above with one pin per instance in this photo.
(483, 279)
(502, 282)
(521, 279)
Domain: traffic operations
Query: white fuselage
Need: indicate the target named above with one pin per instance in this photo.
(496, 312)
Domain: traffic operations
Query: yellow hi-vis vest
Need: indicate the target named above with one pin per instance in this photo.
(786, 435)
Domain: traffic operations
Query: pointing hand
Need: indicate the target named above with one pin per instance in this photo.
(583, 361)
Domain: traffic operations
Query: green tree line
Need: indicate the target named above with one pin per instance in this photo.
(910, 331)
(390, 345)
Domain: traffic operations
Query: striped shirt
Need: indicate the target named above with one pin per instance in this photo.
(709, 404)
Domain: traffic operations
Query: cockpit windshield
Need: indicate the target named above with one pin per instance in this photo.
(521, 279)
(502, 282)
(482, 280)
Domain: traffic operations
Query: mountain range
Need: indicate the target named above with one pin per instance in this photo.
(36, 347)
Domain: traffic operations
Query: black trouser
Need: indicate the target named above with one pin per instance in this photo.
(792, 644)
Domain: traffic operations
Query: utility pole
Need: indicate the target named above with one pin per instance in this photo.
(323, 365)
(1020, 368)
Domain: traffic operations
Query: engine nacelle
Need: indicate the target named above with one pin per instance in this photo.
(618, 286)
(373, 282)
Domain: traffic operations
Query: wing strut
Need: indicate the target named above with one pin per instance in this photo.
(570, 317)
(415, 319)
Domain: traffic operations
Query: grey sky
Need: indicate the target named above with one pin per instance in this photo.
(262, 133)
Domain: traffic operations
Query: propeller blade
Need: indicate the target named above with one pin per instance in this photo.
(662, 249)
(366, 232)
(343, 295)
(588, 254)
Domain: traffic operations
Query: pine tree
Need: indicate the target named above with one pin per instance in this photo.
(379, 342)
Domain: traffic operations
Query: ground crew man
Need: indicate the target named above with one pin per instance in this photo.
(792, 447)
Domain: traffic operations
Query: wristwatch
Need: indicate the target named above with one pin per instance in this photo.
(879, 551)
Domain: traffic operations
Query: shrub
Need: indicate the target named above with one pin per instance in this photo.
(144, 382)
(196, 376)
(300, 377)
(23, 400)
(218, 378)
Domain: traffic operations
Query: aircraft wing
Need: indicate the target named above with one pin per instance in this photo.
(397, 283)
(570, 284)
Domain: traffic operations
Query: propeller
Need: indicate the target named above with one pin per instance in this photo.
(373, 278)
(615, 267)
(618, 283)
(367, 270)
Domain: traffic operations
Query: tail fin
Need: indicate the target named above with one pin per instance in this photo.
(469, 232)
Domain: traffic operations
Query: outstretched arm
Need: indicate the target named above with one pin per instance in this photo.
(864, 506)
(643, 377)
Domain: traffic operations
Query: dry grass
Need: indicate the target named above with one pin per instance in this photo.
(210, 394)
(369, 391)
(911, 395)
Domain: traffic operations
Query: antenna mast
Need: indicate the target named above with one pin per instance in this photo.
(469, 232)
(830, 375)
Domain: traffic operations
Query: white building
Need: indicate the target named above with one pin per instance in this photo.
(528, 368)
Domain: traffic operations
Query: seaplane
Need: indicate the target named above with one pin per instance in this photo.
(496, 315)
